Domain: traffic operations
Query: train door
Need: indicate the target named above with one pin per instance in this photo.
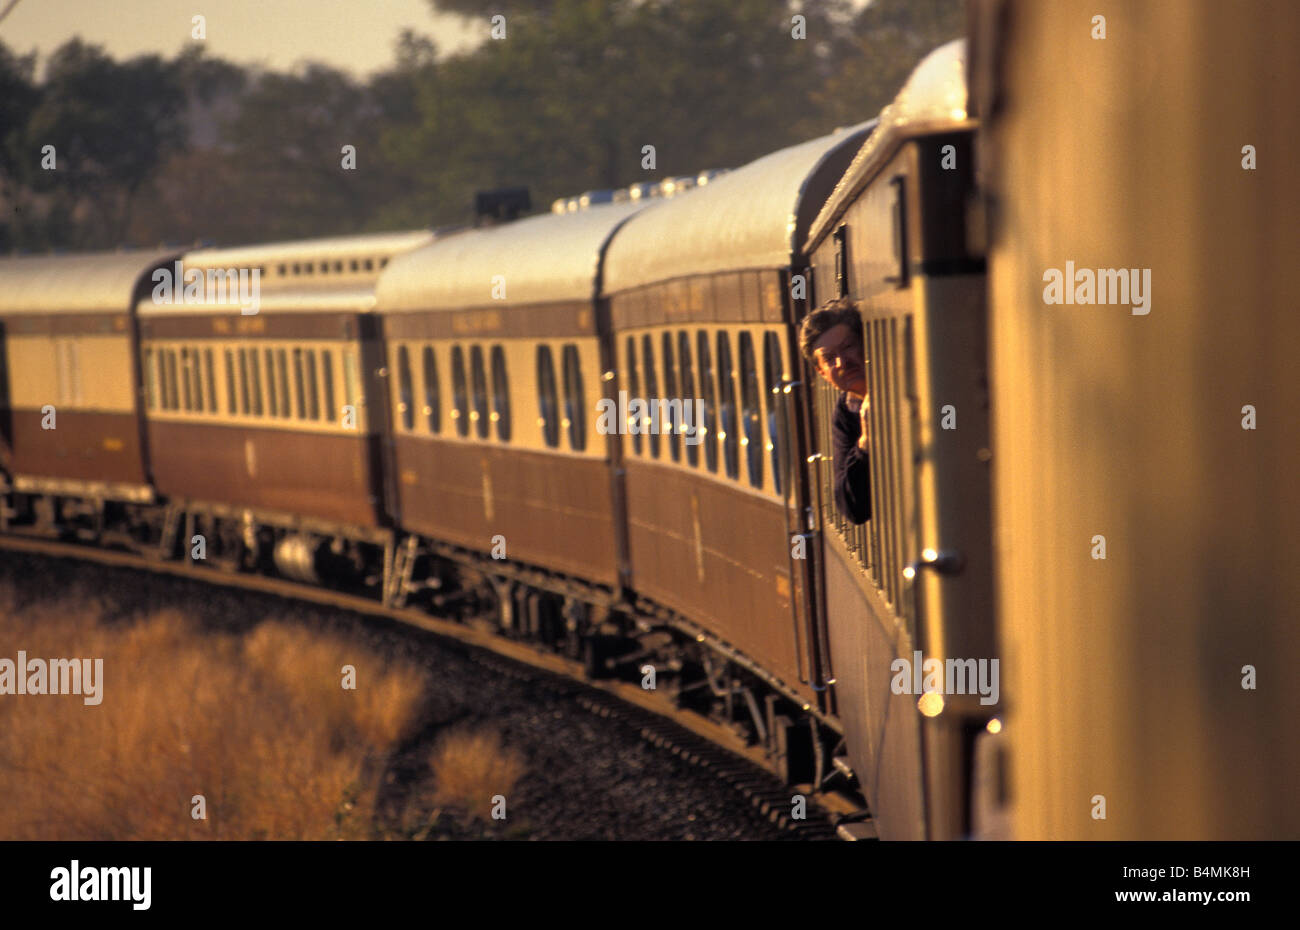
(798, 486)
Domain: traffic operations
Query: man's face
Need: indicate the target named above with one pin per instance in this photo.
(838, 354)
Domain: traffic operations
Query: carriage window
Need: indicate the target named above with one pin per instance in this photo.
(150, 382)
(272, 392)
(432, 391)
(460, 396)
(185, 378)
(313, 397)
(212, 380)
(256, 366)
(651, 390)
(282, 369)
(327, 381)
(753, 411)
(548, 405)
(230, 382)
(299, 395)
(670, 393)
(196, 365)
(772, 376)
(727, 407)
(404, 399)
(243, 381)
(709, 398)
(479, 378)
(634, 383)
(161, 373)
(690, 437)
(171, 380)
(840, 239)
(500, 394)
(196, 373)
(574, 399)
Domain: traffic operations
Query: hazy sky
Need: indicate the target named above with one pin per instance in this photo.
(357, 35)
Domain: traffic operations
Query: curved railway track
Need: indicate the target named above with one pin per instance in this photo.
(700, 742)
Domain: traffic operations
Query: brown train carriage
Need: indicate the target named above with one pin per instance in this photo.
(494, 349)
(701, 307)
(917, 576)
(67, 348)
(1153, 692)
(261, 419)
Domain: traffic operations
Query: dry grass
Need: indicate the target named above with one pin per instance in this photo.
(470, 766)
(257, 724)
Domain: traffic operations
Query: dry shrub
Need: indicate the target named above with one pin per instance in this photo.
(470, 766)
(260, 726)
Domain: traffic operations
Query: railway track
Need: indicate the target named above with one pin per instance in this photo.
(713, 748)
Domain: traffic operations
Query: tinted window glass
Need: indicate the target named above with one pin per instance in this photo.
(327, 382)
(671, 423)
(652, 393)
(772, 377)
(547, 405)
(727, 426)
(709, 396)
(574, 399)
(634, 390)
(404, 401)
(500, 394)
(230, 382)
(688, 395)
(283, 359)
(313, 398)
(299, 393)
(196, 372)
(751, 404)
(272, 386)
(212, 381)
(185, 379)
(460, 395)
(243, 381)
(479, 378)
(150, 380)
(432, 391)
(256, 366)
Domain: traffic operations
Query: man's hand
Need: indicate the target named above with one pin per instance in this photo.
(864, 415)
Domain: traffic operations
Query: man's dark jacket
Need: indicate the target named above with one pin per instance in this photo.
(851, 466)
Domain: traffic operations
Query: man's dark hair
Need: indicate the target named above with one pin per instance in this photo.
(825, 318)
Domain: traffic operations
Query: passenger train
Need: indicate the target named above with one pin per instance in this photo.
(415, 415)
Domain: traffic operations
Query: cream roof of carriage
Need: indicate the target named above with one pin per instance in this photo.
(753, 217)
(93, 282)
(547, 258)
(933, 99)
(336, 274)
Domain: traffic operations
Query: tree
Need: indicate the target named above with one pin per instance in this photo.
(112, 126)
(18, 96)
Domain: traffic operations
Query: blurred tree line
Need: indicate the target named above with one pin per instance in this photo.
(152, 150)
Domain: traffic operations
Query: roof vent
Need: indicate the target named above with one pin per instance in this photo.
(501, 205)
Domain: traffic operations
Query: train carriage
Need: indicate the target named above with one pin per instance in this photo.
(259, 398)
(1145, 445)
(701, 310)
(916, 578)
(493, 341)
(70, 418)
